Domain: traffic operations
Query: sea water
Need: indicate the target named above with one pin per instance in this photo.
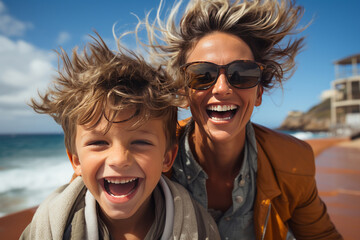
(33, 166)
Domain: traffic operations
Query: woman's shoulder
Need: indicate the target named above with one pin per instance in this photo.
(272, 137)
(181, 127)
(284, 152)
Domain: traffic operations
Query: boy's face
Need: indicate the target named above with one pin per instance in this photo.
(122, 167)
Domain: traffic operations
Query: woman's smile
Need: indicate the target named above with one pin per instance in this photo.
(218, 112)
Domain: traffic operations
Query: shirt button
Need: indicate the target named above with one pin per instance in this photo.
(239, 199)
(242, 183)
(189, 177)
(228, 219)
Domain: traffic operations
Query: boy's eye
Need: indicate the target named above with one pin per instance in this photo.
(141, 142)
(97, 143)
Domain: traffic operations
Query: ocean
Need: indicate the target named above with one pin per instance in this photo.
(32, 166)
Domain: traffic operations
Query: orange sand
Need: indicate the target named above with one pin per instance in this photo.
(11, 226)
(338, 181)
(319, 145)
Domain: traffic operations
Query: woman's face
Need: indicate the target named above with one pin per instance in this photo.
(222, 111)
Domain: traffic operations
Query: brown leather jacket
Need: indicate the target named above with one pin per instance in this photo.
(286, 196)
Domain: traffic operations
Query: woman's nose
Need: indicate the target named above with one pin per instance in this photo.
(222, 86)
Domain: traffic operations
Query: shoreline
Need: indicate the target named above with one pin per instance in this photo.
(320, 144)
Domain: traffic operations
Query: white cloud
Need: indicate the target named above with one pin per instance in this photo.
(24, 69)
(63, 37)
(10, 26)
(2, 7)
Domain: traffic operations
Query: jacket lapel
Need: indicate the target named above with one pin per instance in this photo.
(266, 206)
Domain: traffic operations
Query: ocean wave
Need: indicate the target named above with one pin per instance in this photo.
(309, 135)
(36, 177)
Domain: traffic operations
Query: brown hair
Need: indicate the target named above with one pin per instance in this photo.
(262, 24)
(91, 83)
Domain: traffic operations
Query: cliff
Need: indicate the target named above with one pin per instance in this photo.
(316, 119)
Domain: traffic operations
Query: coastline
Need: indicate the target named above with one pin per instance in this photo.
(326, 151)
(320, 144)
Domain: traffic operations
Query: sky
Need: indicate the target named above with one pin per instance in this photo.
(31, 29)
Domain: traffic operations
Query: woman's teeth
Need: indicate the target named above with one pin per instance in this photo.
(221, 108)
(221, 112)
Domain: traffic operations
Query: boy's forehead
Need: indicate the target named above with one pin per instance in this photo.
(153, 126)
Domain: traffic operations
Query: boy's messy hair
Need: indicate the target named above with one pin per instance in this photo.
(101, 83)
(262, 24)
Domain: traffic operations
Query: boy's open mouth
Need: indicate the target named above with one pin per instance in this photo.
(221, 112)
(120, 188)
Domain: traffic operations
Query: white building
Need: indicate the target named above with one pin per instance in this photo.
(345, 102)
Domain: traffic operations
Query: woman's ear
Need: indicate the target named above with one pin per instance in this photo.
(259, 94)
(169, 158)
(75, 162)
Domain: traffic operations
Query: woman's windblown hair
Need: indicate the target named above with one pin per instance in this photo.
(262, 24)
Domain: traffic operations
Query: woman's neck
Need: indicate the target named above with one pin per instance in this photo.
(218, 158)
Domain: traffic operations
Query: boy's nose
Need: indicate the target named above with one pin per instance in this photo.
(119, 157)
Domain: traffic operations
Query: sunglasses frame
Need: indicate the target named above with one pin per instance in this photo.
(225, 67)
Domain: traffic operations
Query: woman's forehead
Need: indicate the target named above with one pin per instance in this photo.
(220, 48)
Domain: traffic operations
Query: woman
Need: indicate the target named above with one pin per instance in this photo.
(257, 183)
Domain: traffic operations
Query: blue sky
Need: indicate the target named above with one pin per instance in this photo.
(31, 29)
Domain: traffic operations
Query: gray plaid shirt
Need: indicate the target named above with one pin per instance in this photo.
(237, 222)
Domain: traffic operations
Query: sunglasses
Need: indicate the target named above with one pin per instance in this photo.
(240, 74)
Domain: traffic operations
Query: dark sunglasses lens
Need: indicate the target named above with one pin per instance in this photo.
(201, 76)
(244, 74)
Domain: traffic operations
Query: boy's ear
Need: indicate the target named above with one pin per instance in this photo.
(74, 159)
(169, 158)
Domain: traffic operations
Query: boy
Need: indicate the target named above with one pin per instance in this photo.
(119, 119)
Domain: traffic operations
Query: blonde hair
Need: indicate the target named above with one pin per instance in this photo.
(262, 24)
(103, 83)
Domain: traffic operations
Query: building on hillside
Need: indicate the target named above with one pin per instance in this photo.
(345, 102)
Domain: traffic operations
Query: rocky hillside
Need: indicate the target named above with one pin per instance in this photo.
(316, 119)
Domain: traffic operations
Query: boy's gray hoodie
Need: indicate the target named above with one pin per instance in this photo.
(71, 213)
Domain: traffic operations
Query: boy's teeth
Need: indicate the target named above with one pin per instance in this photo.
(120, 181)
(221, 108)
(120, 188)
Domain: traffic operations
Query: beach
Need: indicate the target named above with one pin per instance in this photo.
(338, 181)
